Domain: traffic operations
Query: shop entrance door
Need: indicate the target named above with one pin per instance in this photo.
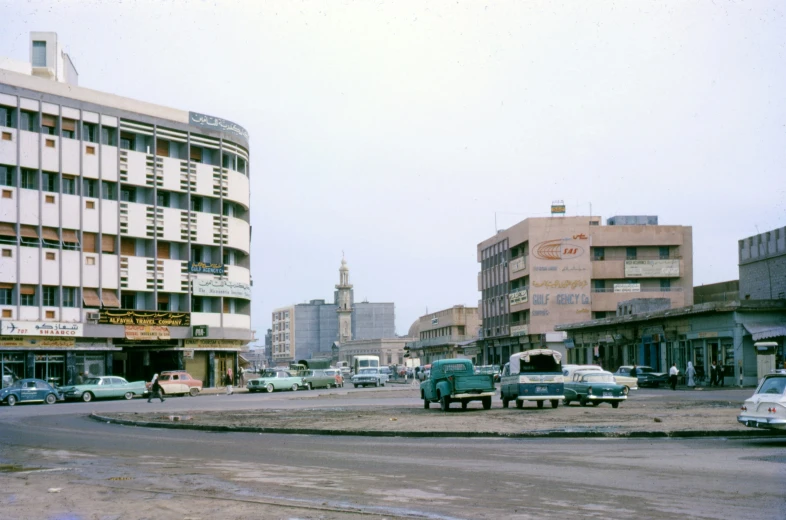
(50, 368)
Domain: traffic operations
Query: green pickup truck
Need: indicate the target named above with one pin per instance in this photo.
(455, 380)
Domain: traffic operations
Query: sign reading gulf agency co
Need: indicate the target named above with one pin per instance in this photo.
(208, 287)
(41, 328)
(150, 318)
(203, 268)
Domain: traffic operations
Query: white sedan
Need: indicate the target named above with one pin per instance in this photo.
(767, 407)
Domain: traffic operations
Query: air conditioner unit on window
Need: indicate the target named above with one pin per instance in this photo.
(93, 316)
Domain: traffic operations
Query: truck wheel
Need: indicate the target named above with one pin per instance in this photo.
(505, 403)
(426, 404)
(444, 403)
(464, 405)
(486, 403)
(554, 403)
(519, 403)
(615, 404)
(540, 404)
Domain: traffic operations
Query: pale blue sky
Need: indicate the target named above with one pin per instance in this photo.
(395, 130)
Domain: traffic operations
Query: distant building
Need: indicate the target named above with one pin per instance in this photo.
(762, 260)
(389, 350)
(717, 292)
(309, 330)
(445, 334)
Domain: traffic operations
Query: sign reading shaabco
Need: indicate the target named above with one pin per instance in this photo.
(225, 288)
(41, 328)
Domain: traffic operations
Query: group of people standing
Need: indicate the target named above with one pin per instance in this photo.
(229, 379)
(716, 374)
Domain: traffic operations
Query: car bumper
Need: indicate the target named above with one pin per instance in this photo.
(470, 396)
(607, 398)
(539, 397)
(772, 423)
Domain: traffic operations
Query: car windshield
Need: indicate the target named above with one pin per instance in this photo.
(454, 368)
(368, 371)
(773, 385)
(597, 378)
(269, 373)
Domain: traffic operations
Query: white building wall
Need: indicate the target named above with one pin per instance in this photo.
(71, 314)
(171, 173)
(109, 163)
(238, 234)
(71, 263)
(70, 156)
(8, 148)
(28, 205)
(90, 216)
(204, 179)
(8, 207)
(50, 273)
(238, 189)
(109, 217)
(235, 273)
(50, 157)
(136, 272)
(50, 212)
(109, 271)
(171, 223)
(137, 219)
(137, 168)
(204, 228)
(29, 259)
(89, 162)
(172, 275)
(71, 211)
(28, 151)
(90, 272)
(206, 318)
(240, 321)
(28, 313)
(8, 265)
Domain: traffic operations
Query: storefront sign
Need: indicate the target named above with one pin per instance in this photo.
(517, 297)
(7, 341)
(146, 332)
(518, 264)
(651, 268)
(213, 343)
(188, 354)
(200, 331)
(202, 267)
(41, 328)
(126, 317)
(702, 335)
(627, 287)
(519, 330)
(471, 351)
(207, 287)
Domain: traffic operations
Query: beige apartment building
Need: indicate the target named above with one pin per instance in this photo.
(544, 272)
(445, 334)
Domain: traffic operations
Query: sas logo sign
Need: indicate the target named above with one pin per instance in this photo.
(557, 250)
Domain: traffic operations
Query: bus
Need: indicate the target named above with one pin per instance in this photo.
(359, 362)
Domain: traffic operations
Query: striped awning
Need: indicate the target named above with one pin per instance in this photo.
(765, 330)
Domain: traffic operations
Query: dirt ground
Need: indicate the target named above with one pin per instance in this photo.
(663, 413)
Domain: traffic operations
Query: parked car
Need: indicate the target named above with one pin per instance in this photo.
(104, 387)
(30, 391)
(178, 382)
(533, 375)
(337, 376)
(271, 380)
(631, 383)
(454, 380)
(372, 376)
(646, 376)
(594, 387)
(766, 408)
(388, 372)
(318, 379)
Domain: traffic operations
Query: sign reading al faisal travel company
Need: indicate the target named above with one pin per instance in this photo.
(40, 328)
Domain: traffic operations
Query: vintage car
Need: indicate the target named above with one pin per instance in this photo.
(337, 375)
(767, 407)
(455, 381)
(369, 377)
(631, 382)
(271, 380)
(104, 387)
(318, 379)
(178, 382)
(30, 391)
(533, 375)
(646, 376)
(594, 387)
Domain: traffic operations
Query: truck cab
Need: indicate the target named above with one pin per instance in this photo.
(455, 380)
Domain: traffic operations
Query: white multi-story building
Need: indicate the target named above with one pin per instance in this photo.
(123, 226)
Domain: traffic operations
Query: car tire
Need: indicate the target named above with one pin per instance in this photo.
(50, 399)
(519, 404)
(11, 400)
(505, 403)
(486, 403)
(356, 386)
(376, 384)
(583, 402)
(566, 402)
(193, 392)
(540, 404)
(87, 397)
(308, 386)
(128, 395)
(464, 405)
(554, 403)
(426, 404)
(615, 404)
(295, 387)
(444, 403)
(595, 403)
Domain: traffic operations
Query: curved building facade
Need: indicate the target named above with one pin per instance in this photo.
(124, 231)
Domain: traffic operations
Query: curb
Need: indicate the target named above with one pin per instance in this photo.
(552, 434)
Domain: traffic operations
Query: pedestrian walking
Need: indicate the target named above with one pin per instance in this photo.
(673, 373)
(691, 373)
(713, 373)
(155, 390)
(229, 381)
(719, 375)
(241, 377)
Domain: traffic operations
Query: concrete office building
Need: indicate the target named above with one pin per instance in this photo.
(762, 263)
(310, 330)
(543, 272)
(445, 334)
(123, 225)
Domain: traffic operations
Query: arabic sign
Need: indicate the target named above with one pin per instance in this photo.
(41, 328)
(651, 268)
(517, 297)
(146, 332)
(208, 287)
(126, 317)
(627, 287)
(519, 330)
(561, 284)
(216, 123)
(37, 343)
(202, 267)
(518, 264)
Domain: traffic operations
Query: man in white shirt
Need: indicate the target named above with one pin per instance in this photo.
(673, 373)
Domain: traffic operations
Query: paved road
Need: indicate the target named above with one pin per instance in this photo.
(120, 471)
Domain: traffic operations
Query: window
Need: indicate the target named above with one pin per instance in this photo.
(163, 302)
(50, 315)
(630, 253)
(90, 260)
(6, 116)
(49, 296)
(90, 132)
(108, 190)
(69, 185)
(68, 128)
(7, 175)
(127, 194)
(90, 188)
(241, 165)
(49, 182)
(226, 258)
(50, 256)
(28, 121)
(663, 252)
(8, 253)
(6, 296)
(162, 147)
(90, 150)
(8, 194)
(50, 143)
(599, 253)
(196, 204)
(197, 304)
(7, 136)
(39, 54)
(70, 240)
(29, 178)
(196, 254)
(127, 141)
(162, 199)
(228, 209)
(108, 136)
(128, 301)
(7, 313)
(89, 242)
(196, 153)
(27, 295)
(89, 204)
(598, 285)
(665, 284)
(69, 297)
(49, 199)
(48, 125)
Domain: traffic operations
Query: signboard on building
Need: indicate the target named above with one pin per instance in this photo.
(208, 287)
(10, 341)
(519, 330)
(126, 317)
(435, 321)
(216, 123)
(41, 328)
(521, 296)
(627, 287)
(518, 264)
(200, 331)
(146, 332)
(203, 268)
(558, 207)
(213, 343)
(652, 268)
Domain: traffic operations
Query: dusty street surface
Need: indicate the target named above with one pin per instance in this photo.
(664, 412)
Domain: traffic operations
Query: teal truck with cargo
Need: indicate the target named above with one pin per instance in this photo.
(454, 380)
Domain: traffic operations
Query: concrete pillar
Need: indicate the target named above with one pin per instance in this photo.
(30, 364)
(109, 359)
(738, 357)
(70, 368)
(211, 369)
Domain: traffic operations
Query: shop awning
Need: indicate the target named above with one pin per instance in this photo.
(765, 330)
(27, 289)
(50, 234)
(69, 235)
(109, 299)
(28, 231)
(90, 298)
(7, 229)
